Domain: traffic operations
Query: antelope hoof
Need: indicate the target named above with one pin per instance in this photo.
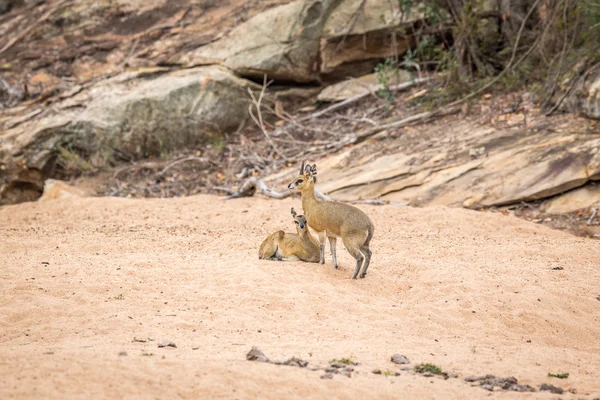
(362, 276)
(321, 261)
(336, 266)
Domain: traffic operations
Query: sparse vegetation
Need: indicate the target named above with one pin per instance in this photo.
(426, 367)
(346, 361)
(559, 376)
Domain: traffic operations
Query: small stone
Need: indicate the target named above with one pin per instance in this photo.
(327, 376)
(397, 374)
(427, 374)
(123, 353)
(345, 372)
(376, 371)
(256, 355)
(400, 359)
(488, 387)
(545, 387)
(296, 362)
(139, 340)
(521, 388)
(337, 365)
(167, 343)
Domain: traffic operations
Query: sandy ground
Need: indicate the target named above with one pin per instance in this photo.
(474, 293)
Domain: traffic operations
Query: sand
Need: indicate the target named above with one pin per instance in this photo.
(474, 293)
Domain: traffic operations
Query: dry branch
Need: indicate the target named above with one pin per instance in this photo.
(356, 98)
(183, 160)
(258, 120)
(253, 185)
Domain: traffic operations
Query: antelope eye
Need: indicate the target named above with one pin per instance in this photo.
(299, 181)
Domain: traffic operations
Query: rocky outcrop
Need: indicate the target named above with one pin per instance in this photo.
(282, 42)
(465, 165)
(122, 118)
(354, 34)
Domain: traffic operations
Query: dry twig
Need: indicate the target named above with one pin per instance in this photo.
(356, 98)
(253, 185)
(258, 120)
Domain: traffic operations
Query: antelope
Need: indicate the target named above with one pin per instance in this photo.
(289, 246)
(332, 219)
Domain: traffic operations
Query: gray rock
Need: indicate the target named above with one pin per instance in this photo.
(123, 118)
(400, 359)
(167, 343)
(545, 387)
(255, 354)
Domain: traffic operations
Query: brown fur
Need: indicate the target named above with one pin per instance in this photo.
(289, 246)
(332, 219)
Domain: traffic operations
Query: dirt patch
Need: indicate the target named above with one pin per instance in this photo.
(464, 290)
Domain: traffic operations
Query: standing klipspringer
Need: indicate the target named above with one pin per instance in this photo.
(332, 219)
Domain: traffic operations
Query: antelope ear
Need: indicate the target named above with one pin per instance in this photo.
(308, 168)
(293, 212)
(314, 169)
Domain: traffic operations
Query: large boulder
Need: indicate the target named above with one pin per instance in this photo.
(359, 31)
(586, 98)
(128, 117)
(282, 42)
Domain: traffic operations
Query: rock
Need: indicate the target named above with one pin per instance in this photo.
(376, 371)
(327, 376)
(282, 42)
(400, 359)
(54, 190)
(587, 196)
(122, 118)
(353, 87)
(296, 362)
(167, 343)
(489, 382)
(586, 98)
(255, 354)
(122, 353)
(545, 387)
(435, 167)
(366, 34)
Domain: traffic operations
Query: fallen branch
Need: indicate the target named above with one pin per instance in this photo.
(183, 160)
(589, 221)
(356, 98)
(253, 185)
(378, 202)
